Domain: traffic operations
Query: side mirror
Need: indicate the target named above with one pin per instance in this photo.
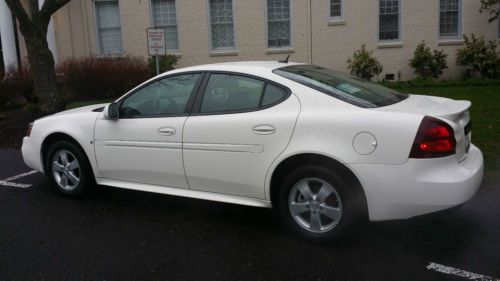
(111, 111)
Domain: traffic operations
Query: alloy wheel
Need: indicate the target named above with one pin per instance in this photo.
(315, 205)
(66, 169)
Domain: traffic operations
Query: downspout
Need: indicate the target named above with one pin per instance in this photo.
(71, 32)
(86, 26)
(310, 34)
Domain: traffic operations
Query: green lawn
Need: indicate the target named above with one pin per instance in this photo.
(485, 114)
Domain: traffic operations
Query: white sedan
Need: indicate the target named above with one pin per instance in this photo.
(324, 148)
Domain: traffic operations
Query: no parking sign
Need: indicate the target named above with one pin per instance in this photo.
(156, 42)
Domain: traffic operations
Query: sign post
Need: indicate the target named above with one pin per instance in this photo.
(156, 44)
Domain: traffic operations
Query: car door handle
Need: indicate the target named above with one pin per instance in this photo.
(166, 131)
(264, 129)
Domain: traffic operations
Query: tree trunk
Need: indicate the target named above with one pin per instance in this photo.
(44, 75)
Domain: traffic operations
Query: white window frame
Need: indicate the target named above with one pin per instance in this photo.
(283, 48)
(223, 49)
(152, 22)
(336, 18)
(400, 25)
(459, 35)
(97, 32)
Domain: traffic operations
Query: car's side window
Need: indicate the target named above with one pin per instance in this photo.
(273, 94)
(226, 92)
(168, 96)
(230, 93)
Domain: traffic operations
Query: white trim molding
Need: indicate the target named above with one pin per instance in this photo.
(336, 19)
(451, 38)
(290, 45)
(284, 50)
(400, 26)
(173, 51)
(220, 50)
(100, 53)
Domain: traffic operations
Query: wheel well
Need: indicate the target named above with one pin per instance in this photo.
(299, 160)
(51, 139)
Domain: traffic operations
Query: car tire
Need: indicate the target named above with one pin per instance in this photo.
(325, 213)
(69, 170)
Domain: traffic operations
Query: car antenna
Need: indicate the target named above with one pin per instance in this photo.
(285, 60)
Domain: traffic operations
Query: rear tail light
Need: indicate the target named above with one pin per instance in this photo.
(435, 138)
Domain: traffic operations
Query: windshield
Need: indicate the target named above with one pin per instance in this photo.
(350, 89)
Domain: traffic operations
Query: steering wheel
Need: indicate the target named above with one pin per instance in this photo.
(160, 108)
(219, 95)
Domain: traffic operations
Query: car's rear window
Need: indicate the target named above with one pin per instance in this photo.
(350, 89)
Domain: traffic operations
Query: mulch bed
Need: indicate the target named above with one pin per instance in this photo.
(13, 125)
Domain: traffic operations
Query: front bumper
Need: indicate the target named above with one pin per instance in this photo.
(419, 186)
(31, 151)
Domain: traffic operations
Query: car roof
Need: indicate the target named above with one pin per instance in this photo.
(238, 66)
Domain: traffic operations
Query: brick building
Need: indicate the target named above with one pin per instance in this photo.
(323, 32)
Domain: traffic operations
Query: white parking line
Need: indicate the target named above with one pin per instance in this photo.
(459, 272)
(8, 181)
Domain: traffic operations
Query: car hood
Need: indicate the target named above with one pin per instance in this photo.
(430, 105)
(82, 109)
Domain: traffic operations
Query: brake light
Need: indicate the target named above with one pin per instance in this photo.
(435, 138)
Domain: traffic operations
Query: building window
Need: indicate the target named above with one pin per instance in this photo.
(389, 19)
(449, 18)
(221, 24)
(164, 16)
(336, 9)
(278, 23)
(109, 33)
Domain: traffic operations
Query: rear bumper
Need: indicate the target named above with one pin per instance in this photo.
(419, 186)
(31, 151)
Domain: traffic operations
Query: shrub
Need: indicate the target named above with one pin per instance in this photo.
(479, 56)
(166, 63)
(92, 78)
(427, 64)
(16, 89)
(363, 64)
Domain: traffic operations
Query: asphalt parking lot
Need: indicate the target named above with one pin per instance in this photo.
(128, 235)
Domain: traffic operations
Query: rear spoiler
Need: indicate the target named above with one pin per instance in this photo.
(453, 108)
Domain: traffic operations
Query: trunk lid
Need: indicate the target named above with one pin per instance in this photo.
(454, 112)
